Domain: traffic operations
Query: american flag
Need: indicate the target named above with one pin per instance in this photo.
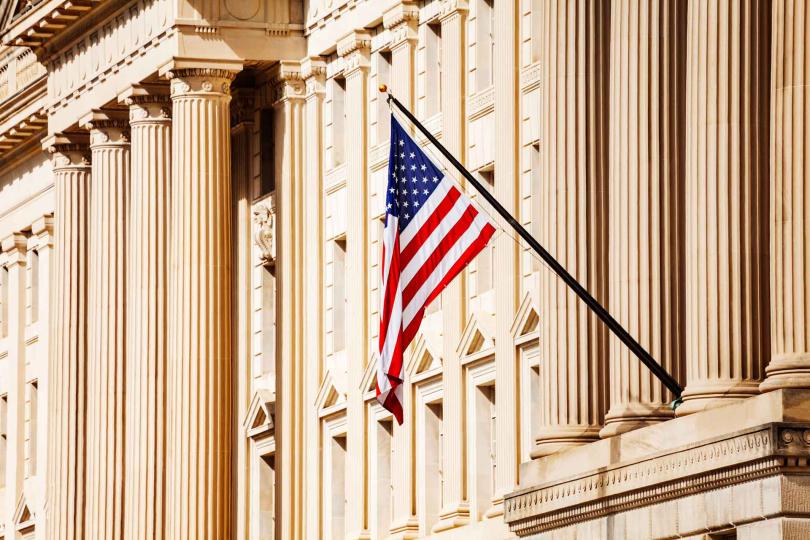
(432, 231)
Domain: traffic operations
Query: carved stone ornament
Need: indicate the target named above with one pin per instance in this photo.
(200, 81)
(265, 225)
(65, 156)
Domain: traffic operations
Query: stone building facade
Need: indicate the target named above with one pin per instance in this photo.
(190, 222)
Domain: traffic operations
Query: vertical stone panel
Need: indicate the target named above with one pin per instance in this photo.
(574, 220)
(109, 145)
(68, 351)
(145, 442)
(646, 205)
(727, 102)
(200, 405)
(790, 197)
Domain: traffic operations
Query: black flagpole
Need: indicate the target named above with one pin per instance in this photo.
(642, 354)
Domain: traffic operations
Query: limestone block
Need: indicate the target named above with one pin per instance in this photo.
(664, 519)
(692, 515)
(718, 507)
(774, 529)
(746, 501)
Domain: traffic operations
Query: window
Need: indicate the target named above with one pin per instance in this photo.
(383, 59)
(268, 151)
(3, 438)
(339, 295)
(337, 91)
(4, 286)
(33, 287)
(484, 261)
(485, 436)
(529, 400)
(433, 69)
(267, 488)
(31, 429)
(268, 319)
(535, 193)
(485, 44)
(433, 489)
(385, 485)
(537, 30)
(336, 502)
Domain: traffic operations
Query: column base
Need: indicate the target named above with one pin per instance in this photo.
(556, 438)
(628, 417)
(701, 397)
(451, 518)
(407, 530)
(496, 509)
(787, 371)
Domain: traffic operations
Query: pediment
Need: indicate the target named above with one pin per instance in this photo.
(477, 335)
(22, 514)
(328, 395)
(425, 354)
(259, 420)
(369, 381)
(527, 320)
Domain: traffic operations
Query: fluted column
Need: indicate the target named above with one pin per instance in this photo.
(401, 21)
(727, 100)
(790, 198)
(574, 214)
(455, 511)
(646, 205)
(200, 419)
(145, 441)
(68, 351)
(109, 146)
(355, 50)
(313, 72)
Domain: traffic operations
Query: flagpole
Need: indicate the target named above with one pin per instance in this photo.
(646, 358)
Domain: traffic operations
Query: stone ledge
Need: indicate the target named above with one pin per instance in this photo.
(756, 438)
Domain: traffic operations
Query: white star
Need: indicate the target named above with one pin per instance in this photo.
(413, 155)
(424, 166)
(435, 179)
(414, 179)
(407, 216)
(406, 204)
(415, 192)
(401, 142)
(413, 167)
(392, 190)
(425, 192)
(389, 206)
(402, 166)
(424, 179)
(402, 155)
(416, 203)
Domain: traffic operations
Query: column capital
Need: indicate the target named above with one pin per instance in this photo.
(313, 71)
(68, 150)
(42, 228)
(148, 103)
(401, 22)
(355, 50)
(452, 9)
(286, 82)
(202, 81)
(15, 246)
(107, 127)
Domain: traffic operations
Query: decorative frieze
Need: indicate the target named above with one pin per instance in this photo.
(287, 82)
(355, 50)
(264, 216)
(401, 22)
(481, 104)
(757, 452)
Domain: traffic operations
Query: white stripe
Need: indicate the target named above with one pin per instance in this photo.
(392, 332)
(424, 213)
(432, 241)
(453, 254)
(389, 237)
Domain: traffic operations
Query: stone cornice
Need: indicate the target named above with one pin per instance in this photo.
(451, 9)
(313, 71)
(738, 457)
(355, 50)
(405, 12)
(37, 27)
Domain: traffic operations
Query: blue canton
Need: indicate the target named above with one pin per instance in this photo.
(412, 177)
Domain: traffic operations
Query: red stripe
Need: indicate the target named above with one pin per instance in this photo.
(449, 240)
(469, 254)
(390, 291)
(427, 228)
(392, 404)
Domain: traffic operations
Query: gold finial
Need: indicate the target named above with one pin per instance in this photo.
(383, 88)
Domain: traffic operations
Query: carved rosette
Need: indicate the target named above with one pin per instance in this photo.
(264, 218)
(149, 109)
(200, 81)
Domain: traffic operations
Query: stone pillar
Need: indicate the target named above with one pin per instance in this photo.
(790, 198)
(401, 22)
(727, 99)
(145, 440)
(507, 177)
(355, 50)
(200, 411)
(574, 220)
(68, 352)
(242, 132)
(455, 511)
(646, 206)
(15, 249)
(288, 103)
(109, 145)
(313, 72)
